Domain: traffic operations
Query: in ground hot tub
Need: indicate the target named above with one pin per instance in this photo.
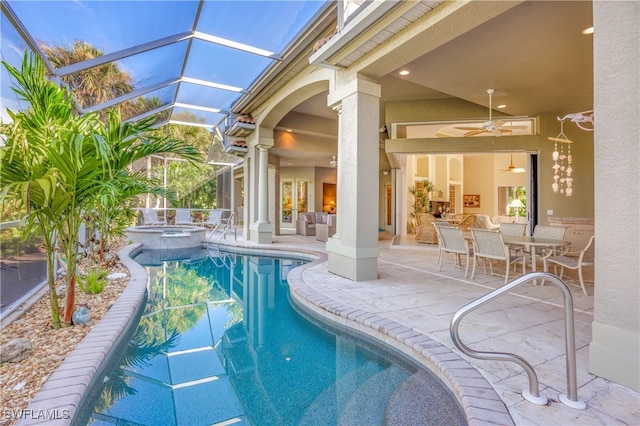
(160, 237)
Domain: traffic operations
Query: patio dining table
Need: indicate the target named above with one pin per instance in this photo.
(530, 243)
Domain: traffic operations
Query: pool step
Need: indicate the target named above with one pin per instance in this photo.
(326, 407)
(235, 334)
(236, 350)
(423, 400)
(367, 405)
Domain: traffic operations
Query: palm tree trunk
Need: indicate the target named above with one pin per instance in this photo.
(70, 295)
(53, 297)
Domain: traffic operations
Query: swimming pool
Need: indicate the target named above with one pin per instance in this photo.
(220, 343)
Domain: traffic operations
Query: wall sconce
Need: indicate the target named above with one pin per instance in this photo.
(386, 172)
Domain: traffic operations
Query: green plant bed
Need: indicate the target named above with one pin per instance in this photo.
(94, 282)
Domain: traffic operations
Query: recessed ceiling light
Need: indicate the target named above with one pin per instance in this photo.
(404, 72)
(289, 130)
(588, 30)
(501, 106)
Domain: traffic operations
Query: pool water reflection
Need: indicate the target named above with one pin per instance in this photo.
(219, 342)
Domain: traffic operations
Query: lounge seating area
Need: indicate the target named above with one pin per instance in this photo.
(307, 224)
(326, 230)
(186, 216)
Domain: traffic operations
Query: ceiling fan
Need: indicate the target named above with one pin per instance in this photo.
(494, 127)
(513, 169)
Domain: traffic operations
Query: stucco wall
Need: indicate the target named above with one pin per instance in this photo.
(615, 347)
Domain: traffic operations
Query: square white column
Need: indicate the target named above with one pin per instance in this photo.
(353, 250)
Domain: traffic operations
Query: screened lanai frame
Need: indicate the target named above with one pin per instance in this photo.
(194, 58)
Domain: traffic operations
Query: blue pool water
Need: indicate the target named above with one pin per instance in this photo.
(219, 343)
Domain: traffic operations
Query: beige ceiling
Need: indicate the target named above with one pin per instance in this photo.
(534, 56)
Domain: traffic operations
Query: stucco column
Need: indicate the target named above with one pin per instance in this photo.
(614, 352)
(353, 250)
(262, 230)
(263, 180)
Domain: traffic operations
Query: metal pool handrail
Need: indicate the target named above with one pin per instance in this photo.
(532, 395)
(227, 224)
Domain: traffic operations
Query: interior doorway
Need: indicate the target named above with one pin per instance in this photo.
(294, 199)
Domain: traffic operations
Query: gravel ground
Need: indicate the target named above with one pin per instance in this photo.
(21, 380)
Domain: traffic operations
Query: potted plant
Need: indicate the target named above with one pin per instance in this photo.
(421, 193)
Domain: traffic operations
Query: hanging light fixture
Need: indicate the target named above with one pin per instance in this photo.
(334, 161)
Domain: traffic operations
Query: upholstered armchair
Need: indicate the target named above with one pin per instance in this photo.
(326, 230)
(425, 231)
(468, 222)
(306, 224)
(483, 221)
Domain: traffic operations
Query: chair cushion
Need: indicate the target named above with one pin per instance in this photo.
(321, 217)
(307, 217)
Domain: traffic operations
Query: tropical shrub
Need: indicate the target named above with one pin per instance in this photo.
(58, 165)
(94, 281)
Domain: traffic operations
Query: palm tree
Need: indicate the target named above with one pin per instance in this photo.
(94, 85)
(57, 163)
(98, 84)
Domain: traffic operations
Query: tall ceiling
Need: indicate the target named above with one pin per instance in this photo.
(534, 56)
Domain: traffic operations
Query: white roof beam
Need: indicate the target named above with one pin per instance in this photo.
(121, 54)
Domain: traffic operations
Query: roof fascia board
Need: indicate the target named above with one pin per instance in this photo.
(434, 29)
(363, 21)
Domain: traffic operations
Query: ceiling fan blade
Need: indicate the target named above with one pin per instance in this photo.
(515, 127)
(475, 132)
(468, 128)
(442, 135)
(498, 123)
